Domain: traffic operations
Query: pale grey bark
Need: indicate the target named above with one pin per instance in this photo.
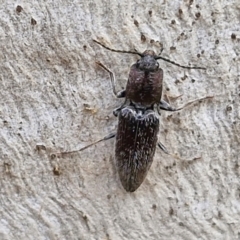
(53, 94)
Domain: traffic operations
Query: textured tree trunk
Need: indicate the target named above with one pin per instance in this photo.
(54, 98)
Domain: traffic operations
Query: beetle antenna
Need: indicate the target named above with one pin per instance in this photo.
(174, 63)
(120, 51)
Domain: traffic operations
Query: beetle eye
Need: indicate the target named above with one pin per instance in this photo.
(137, 64)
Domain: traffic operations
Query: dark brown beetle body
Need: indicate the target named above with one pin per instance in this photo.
(138, 123)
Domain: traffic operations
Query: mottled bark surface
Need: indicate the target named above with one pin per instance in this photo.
(55, 96)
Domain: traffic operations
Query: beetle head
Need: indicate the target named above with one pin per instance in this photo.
(147, 62)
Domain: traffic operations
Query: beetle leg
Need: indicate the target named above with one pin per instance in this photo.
(109, 136)
(116, 111)
(166, 106)
(120, 94)
(163, 148)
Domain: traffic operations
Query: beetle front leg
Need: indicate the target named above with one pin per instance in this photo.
(120, 94)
